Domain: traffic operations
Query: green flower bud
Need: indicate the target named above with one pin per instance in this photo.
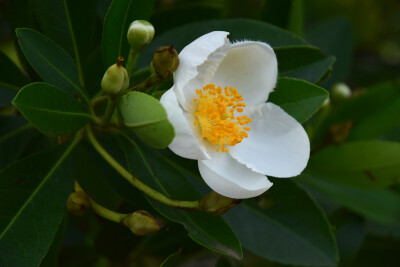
(142, 223)
(115, 78)
(217, 204)
(340, 91)
(78, 203)
(165, 61)
(140, 34)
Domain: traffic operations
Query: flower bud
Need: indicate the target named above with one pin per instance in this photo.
(340, 91)
(165, 61)
(217, 204)
(140, 34)
(78, 203)
(142, 223)
(115, 79)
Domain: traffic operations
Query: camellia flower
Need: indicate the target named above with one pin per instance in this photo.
(219, 111)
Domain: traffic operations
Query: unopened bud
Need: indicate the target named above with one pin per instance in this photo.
(78, 203)
(217, 204)
(115, 79)
(340, 92)
(165, 61)
(140, 34)
(142, 223)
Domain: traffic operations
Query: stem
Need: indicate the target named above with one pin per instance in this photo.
(102, 211)
(194, 205)
(131, 63)
(109, 111)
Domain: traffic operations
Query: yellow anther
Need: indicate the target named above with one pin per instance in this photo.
(215, 114)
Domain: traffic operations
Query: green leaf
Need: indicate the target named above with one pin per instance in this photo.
(15, 133)
(11, 80)
(363, 164)
(299, 98)
(334, 37)
(51, 110)
(379, 204)
(147, 118)
(296, 17)
(287, 227)
(171, 260)
(350, 237)
(33, 194)
(239, 29)
(116, 23)
(50, 61)
(164, 175)
(303, 62)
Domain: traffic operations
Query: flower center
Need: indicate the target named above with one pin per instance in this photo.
(216, 116)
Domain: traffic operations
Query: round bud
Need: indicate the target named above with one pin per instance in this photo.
(142, 223)
(78, 203)
(115, 79)
(140, 34)
(217, 204)
(340, 91)
(165, 61)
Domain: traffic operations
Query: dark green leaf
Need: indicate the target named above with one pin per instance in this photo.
(299, 98)
(349, 238)
(51, 258)
(303, 62)
(364, 164)
(49, 60)
(11, 80)
(287, 227)
(240, 29)
(334, 37)
(147, 118)
(163, 175)
(378, 205)
(172, 260)
(33, 194)
(116, 23)
(51, 110)
(15, 133)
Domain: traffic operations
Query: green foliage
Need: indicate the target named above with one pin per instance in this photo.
(342, 209)
(150, 124)
(51, 110)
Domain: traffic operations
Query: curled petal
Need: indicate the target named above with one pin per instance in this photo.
(186, 143)
(251, 68)
(198, 62)
(277, 145)
(229, 178)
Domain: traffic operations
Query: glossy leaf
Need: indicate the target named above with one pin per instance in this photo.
(162, 174)
(147, 118)
(51, 110)
(49, 60)
(11, 80)
(379, 205)
(116, 23)
(364, 164)
(239, 30)
(303, 62)
(33, 194)
(287, 227)
(299, 98)
(334, 37)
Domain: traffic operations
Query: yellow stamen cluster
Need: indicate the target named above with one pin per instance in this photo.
(216, 116)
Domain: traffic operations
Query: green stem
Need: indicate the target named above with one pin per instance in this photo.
(131, 63)
(109, 111)
(102, 211)
(194, 205)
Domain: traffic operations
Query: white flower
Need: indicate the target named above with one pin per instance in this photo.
(206, 119)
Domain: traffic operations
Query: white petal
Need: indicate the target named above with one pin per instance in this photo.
(251, 68)
(185, 143)
(198, 62)
(227, 177)
(277, 144)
